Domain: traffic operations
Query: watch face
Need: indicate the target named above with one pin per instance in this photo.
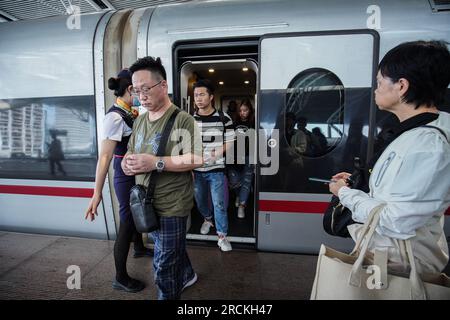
(160, 164)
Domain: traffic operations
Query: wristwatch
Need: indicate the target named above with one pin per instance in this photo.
(160, 165)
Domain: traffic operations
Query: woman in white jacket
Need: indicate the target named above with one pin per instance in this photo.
(411, 178)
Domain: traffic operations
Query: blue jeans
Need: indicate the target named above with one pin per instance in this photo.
(171, 265)
(214, 182)
(241, 178)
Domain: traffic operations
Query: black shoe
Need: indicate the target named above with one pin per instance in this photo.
(133, 285)
(143, 253)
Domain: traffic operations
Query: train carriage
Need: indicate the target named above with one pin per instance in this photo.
(316, 60)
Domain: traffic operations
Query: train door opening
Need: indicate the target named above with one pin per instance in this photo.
(234, 80)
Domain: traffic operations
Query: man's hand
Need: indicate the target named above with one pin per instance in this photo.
(125, 167)
(138, 163)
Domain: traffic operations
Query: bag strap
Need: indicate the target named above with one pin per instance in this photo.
(160, 153)
(362, 245)
(222, 118)
(417, 288)
(368, 229)
(438, 129)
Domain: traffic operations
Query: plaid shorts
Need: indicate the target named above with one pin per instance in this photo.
(171, 265)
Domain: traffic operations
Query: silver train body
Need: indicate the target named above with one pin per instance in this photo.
(53, 82)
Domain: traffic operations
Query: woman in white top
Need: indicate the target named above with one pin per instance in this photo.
(118, 125)
(411, 178)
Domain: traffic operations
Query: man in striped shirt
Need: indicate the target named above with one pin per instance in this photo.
(217, 136)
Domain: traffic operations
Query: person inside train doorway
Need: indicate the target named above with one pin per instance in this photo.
(55, 154)
(410, 181)
(241, 172)
(210, 180)
(118, 123)
(174, 189)
(232, 110)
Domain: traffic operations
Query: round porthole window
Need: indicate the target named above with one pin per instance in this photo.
(314, 120)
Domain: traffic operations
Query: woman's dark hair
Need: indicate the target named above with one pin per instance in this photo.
(120, 83)
(249, 105)
(426, 66)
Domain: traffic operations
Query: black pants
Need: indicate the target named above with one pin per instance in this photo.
(127, 233)
(127, 229)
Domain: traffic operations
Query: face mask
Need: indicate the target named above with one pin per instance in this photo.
(136, 102)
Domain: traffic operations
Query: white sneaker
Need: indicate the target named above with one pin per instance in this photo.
(205, 227)
(224, 244)
(241, 212)
(236, 202)
(190, 282)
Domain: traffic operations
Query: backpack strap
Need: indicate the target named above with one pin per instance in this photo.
(438, 129)
(222, 118)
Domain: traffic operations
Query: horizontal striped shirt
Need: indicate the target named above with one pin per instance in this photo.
(215, 130)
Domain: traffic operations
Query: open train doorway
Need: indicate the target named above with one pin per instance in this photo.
(235, 81)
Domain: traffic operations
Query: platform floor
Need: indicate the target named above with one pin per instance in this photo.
(34, 267)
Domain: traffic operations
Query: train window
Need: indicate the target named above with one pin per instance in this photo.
(48, 138)
(314, 112)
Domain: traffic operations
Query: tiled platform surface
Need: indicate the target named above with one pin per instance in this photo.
(34, 267)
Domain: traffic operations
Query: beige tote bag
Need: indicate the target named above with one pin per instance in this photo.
(361, 275)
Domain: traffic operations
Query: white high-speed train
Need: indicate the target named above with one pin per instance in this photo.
(315, 59)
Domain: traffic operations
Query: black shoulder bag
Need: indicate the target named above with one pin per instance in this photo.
(141, 201)
(337, 217)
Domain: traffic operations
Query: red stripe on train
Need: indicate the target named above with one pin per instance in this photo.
(48, 191)
(293, 206)
(264, 205)
(298, 206)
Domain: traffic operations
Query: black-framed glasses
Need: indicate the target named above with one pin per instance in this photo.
(144, 91)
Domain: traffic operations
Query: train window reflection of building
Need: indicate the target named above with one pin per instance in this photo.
(26, 130)
(314, 112)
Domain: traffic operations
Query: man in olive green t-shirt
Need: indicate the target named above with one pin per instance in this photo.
(174, 191)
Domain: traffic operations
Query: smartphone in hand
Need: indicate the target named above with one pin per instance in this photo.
(321, 180)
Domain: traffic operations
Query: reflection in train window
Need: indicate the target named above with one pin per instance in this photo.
(314, 112)
(48, 138)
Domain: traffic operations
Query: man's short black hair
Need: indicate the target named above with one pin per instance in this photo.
(151, 64)
(205, 83)
(425, 64)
